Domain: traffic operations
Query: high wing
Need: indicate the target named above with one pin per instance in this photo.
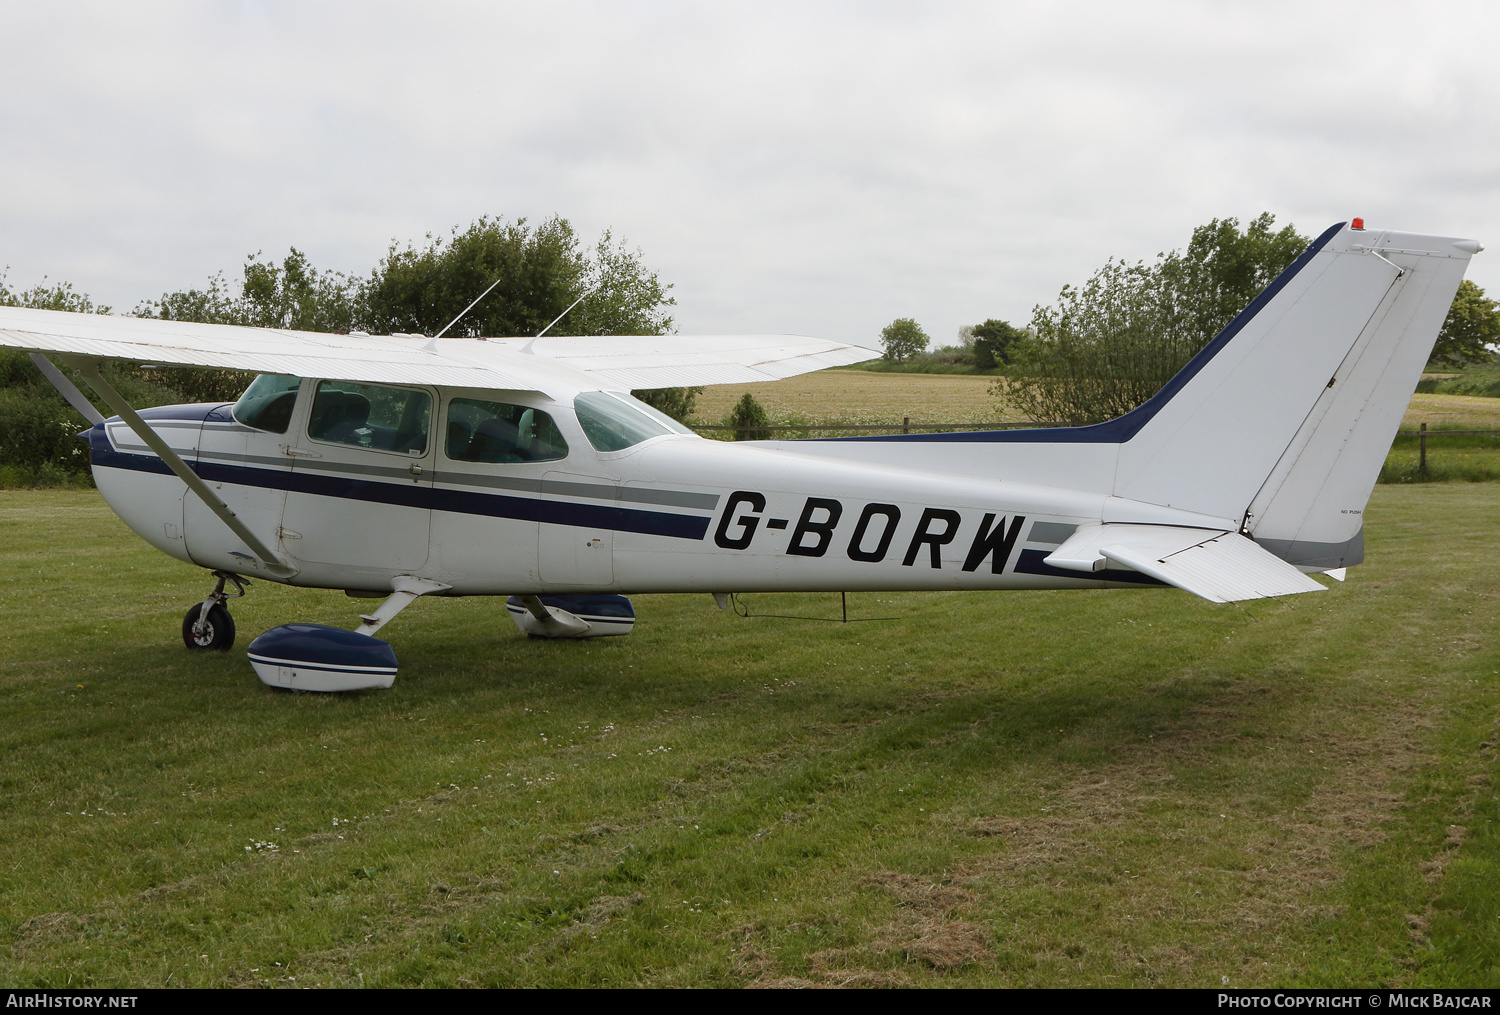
(554, 365)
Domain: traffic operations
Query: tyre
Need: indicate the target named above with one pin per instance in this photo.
(217, 632)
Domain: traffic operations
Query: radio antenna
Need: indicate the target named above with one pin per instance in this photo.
(471, 306)
(560, 316)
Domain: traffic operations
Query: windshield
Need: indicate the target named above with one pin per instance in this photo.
(613, 421)
(267, 402)
(653, 412)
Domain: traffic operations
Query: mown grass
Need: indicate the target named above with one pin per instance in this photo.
(1450, 459)
(1112, 788)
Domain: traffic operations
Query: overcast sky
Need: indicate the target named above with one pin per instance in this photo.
(808, 168)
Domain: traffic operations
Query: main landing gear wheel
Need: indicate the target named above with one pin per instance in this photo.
(211, 630)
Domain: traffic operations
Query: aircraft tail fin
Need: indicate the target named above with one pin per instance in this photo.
(1285, 419)
(1276, 429)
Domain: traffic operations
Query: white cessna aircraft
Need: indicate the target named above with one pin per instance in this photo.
(396, 467)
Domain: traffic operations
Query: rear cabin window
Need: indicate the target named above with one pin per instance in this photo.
(267, 403)
(614, 420)
(480, 431)
(371, 416)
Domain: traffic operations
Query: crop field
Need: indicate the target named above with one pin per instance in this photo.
(1452, 412)
(859, 396)
(1127, 788)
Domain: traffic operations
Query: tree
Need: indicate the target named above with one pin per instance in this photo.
(624, 298)
(749, 418)
(1106, 347)
(540, 270)
(59, 296)
(1472, 325)
(1223, 269)
(992, 343)
(902, 338)
(541, 273)
(38, 428)
(675, 402)
(292, 295)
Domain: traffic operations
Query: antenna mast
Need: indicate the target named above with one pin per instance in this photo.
(560, 316)
(471, 306)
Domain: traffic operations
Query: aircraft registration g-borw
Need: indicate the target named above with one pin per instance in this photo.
(401, 466)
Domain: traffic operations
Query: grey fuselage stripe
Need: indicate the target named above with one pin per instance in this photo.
(1308, 553)
(1054, 533)
(159, 424)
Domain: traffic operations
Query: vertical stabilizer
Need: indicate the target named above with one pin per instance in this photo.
(1310, 509)
(1285, 419)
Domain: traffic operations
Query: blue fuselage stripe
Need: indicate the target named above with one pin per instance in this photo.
(652, 523)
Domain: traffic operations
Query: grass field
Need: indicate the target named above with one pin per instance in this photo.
(1088, 788)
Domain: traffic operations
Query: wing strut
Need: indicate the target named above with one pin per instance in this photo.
(67, 389)
(89, 370)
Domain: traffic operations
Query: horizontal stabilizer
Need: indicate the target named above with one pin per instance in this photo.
(1222, 567)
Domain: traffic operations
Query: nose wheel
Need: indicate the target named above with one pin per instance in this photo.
(208, 629)
(208, 624)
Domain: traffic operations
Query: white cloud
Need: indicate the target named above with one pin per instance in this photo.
(818, 169)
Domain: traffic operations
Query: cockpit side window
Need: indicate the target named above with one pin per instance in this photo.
(267, 403)
(371, 416)
(480, 431)
(614, 421)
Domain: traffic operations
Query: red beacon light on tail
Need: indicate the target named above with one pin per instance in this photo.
(1358, 223)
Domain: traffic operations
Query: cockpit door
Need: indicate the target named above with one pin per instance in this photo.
(491, 494)
(361, 489)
